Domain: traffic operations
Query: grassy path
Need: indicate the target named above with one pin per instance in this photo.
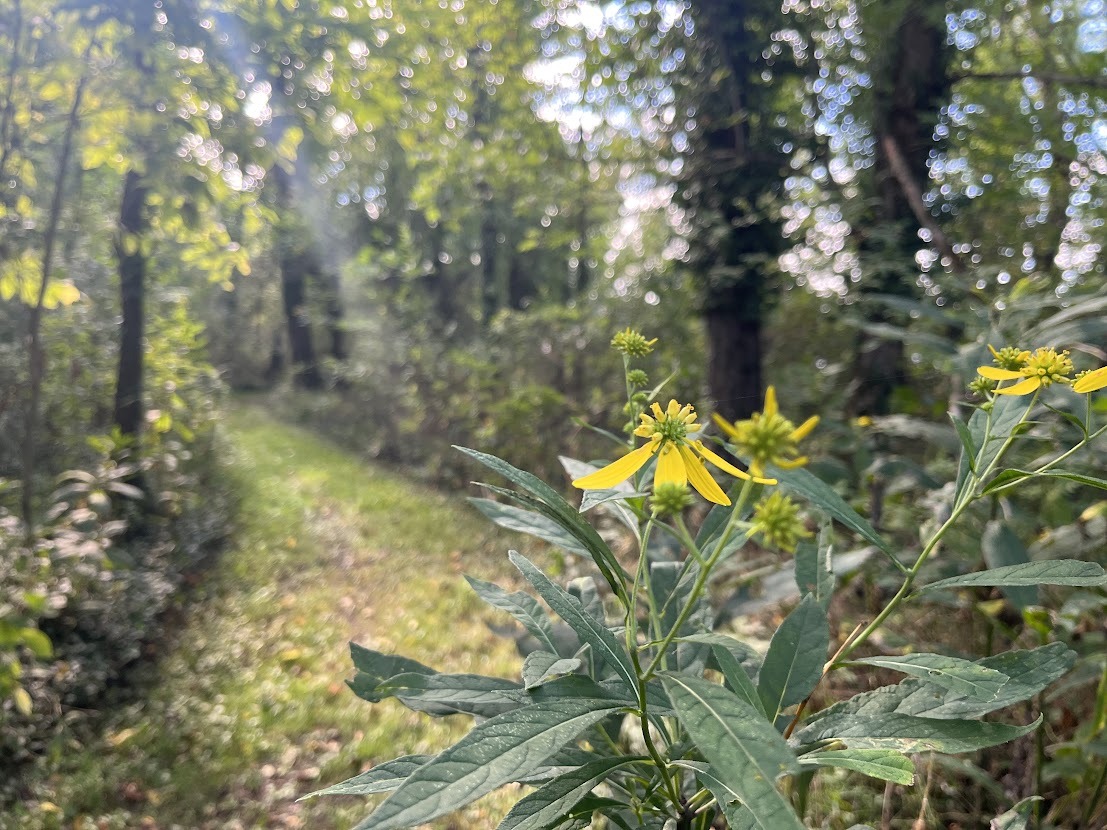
(246, 709)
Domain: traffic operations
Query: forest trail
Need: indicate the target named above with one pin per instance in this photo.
(246, 710)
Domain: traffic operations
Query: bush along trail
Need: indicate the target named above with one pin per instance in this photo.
(244, 709)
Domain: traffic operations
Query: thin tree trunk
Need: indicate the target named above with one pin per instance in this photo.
(36, 357)
(133, 223)
(734, 361)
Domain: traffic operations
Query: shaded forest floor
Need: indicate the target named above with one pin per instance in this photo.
(244, 709)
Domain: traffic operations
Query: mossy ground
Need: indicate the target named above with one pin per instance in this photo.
(244, 708)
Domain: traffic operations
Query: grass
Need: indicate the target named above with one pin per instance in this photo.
(245, 710)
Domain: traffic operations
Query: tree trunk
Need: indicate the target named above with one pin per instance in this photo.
(293, 262)
(129, 412)
(734, 362)
(911, 85)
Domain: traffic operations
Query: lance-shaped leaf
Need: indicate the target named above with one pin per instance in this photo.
(590, 631)
(521, 606)
(794, 662)
(736, 677)
(494, 753)
(1048, 572)
(1007, 478)
(1005, 415)
(961, 676)
(541, 666)
(671, 584)
(1001, 549)
(383, 778)
(885, 764)
(514, 518)
(907, 733)
(738, 816)
(452, 694)
(814, 571)
(548, 806)
(560, 510)
(382, 666)
(1018, 817)
(745, 750)
(817, 492)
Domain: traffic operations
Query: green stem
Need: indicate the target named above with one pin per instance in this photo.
(701, 578)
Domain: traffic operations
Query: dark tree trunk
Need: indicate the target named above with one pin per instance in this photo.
(734, 362)
(491, 293)
(294, 263)
(336, 318)
(129, 410)
(911, 86)
(734, 170)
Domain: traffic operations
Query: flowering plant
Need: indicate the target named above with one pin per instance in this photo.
(637, 708)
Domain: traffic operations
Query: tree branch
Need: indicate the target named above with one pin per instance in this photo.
(1097, 81)
(911, 190)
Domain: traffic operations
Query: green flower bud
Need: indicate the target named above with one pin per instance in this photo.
(632, 343)
(670, 499)
(637, 377)
(777, 518)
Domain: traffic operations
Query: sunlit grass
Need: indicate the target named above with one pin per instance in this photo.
(246, 709)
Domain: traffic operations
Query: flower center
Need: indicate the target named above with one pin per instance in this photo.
(671, 429)
(766, 438)
(1049, 366)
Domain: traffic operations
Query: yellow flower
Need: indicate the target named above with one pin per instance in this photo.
(1042, 368)
(678, 458)
(1091, 381)
(768, 437)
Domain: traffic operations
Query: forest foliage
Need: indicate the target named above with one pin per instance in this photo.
(418, 224)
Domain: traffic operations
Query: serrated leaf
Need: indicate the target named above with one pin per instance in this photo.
(540, 666)
(961, 676)
(494, 753)
(520, 605)
(745, 750)
(383, 778)
(548, 806)
(819, 494)
(794, 662)
(590, 631)
(1002, 548)
(884, 764)
(907, 733)
(1048, 572)
(514, 518)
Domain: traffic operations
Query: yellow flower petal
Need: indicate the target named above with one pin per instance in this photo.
(673, 409)
(1024, 388)
(618, 471)
(726, 466)
(804, 429)
(770, 403)
(992, 373)
(1091, 381)
(793, 463)
(699, 478)
(670, 468)
(725, 425)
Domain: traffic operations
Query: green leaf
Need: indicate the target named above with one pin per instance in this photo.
(1049, 572)
(548, 806)
(1018, 817)
(885, 764)
(590, 631)
(520, 605)
(738, 817)
(540, 666)
(533, 524)
(737, 679)
(383, 666)
(671, 584)
(961, 676)
(1006, 413)
(494, 753)
(745, 751)
(795, 660)
(1002, 548)
(814, 490)
(967, 445)
(559, 509)
(814, 572)
(383, 778)
(37, 642)
(1007, 478)
(452, 694)
(907, 733)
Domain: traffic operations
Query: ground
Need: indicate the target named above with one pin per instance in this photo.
(244, 709)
